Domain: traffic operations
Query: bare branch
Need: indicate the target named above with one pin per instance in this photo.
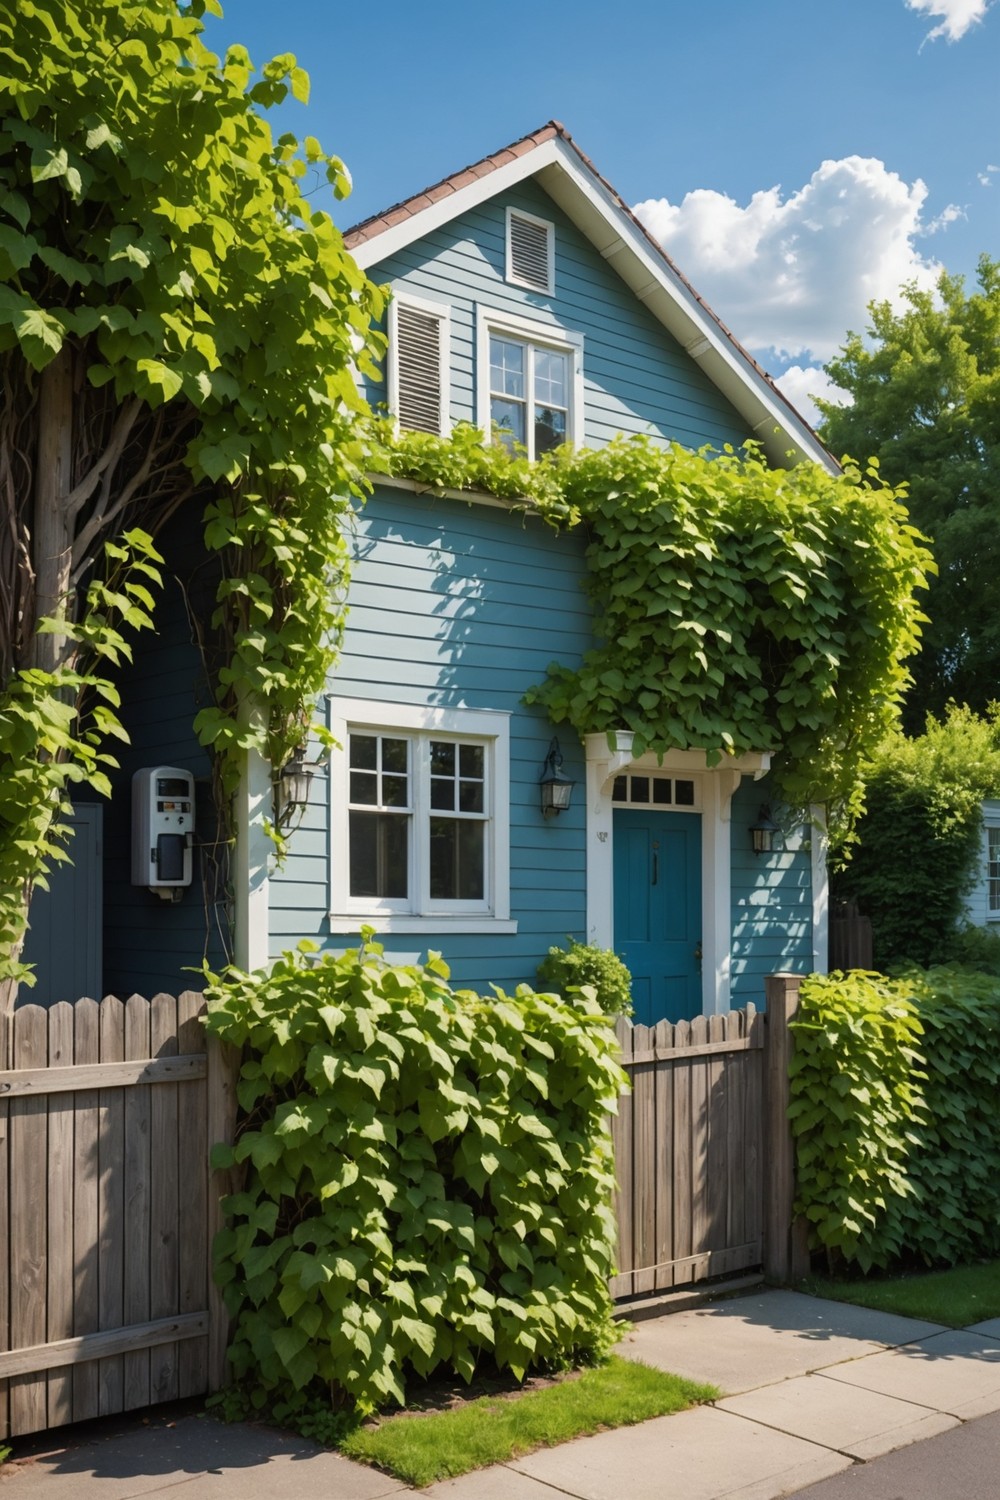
(108, 460)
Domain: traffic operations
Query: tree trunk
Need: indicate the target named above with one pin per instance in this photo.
(53, 543)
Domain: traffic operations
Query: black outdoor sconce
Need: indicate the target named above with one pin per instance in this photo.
(293, 788)
(762, 832)
(556, 788)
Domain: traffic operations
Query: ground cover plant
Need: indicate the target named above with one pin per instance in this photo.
(429, 1179)
(420, 1449)
(956, 1297)
(896, 1115)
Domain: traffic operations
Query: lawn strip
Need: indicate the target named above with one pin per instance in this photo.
(956, 1297)
(491, 1430)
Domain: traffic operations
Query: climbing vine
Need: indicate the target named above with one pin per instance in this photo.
(737, 607)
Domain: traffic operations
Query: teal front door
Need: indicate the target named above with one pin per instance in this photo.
(657, 900)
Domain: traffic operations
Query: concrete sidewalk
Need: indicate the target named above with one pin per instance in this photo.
(811, 1387)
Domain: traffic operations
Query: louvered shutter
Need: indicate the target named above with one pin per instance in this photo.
(530, 253)
(419, 397)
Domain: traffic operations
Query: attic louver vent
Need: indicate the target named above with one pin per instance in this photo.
(530, 253)
(418, 367)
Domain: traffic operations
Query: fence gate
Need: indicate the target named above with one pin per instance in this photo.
(107, 1210)
(689, 1150)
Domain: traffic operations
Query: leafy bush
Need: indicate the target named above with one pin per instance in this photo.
(896, 1115)
(855, 1096)
(568, 970)
(975, 948)
(429, 1178)
(918, 842)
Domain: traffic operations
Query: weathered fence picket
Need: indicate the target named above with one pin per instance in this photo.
(108, 1208)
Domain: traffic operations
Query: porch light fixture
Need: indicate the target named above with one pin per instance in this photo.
(293, 788)
(762, 832)
(556, 788)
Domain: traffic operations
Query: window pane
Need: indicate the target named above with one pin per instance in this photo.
(394, 757)
(364, 752)
(395, 791)
(509, 418)
(640, 788)
(443, 794)
(364, 787)
(506, 367)
(620, 790)
(550, 378)
(457, 847)
(470, 796)
(470, 760)
(661, 791)
(442, 758)
(550, 428)
(379, 850)
(684, 793)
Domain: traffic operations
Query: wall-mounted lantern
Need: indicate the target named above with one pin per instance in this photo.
(293, 788)
(556, 789)
(762, 832)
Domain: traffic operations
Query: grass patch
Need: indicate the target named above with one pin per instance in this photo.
(956, 1297)
(490, 1430)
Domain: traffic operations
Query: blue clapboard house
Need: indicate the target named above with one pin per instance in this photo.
(524, 294)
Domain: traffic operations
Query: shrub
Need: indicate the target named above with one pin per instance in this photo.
(896, 1114)
(855, 1096)
(918, 842)
(569, 970)
(429, 1178)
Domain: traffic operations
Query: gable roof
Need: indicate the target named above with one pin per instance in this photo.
(602, 215)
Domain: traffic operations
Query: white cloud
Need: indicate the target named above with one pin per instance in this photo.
(802, 383)
(986, 177)
(957, 16)
(947, 216)
(792, 275)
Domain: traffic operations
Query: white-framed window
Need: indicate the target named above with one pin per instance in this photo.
(419, 818)
(650, 789)
(531, 251)
(993, 872)
(418, 361)
(529, 382)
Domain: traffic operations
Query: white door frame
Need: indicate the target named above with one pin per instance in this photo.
(717, 785)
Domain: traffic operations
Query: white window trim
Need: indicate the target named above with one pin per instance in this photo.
(441, 311)
(348, 914)
(491, 320)
(550, 252)
(990, 826)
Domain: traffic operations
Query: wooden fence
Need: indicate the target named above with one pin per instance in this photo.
(703, 1151)
(108, 1208)
(850, 938)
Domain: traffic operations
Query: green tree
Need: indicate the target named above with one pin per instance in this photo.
(178, 323)
(926, 402)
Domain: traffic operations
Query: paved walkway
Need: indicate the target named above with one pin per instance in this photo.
(811, 1389)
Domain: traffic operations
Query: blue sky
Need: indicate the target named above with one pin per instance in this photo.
(796, 157)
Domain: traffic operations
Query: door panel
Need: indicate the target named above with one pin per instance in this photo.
(657, 901)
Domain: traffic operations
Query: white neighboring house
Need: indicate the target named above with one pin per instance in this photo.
(983, 905)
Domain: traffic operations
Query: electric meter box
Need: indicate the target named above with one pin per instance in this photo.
(162, 827)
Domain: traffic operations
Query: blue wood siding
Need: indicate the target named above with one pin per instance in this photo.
(637, 378)
(150, 944)
(461, 606)
(772, 900)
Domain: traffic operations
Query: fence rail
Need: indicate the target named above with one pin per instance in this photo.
(107, 1210)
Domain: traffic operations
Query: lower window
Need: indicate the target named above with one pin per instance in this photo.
(419, 812)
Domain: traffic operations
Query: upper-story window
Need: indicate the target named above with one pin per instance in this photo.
(419, 356)
(529, 384)
(530, 251)
(993, 871)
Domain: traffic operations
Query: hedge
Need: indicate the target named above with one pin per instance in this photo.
(896, 1115)
(429, 1178)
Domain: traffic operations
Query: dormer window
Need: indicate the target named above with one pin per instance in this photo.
(419, 335)
(530, 251)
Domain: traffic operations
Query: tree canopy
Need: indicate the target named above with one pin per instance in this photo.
(926, 401)
(178, 322)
